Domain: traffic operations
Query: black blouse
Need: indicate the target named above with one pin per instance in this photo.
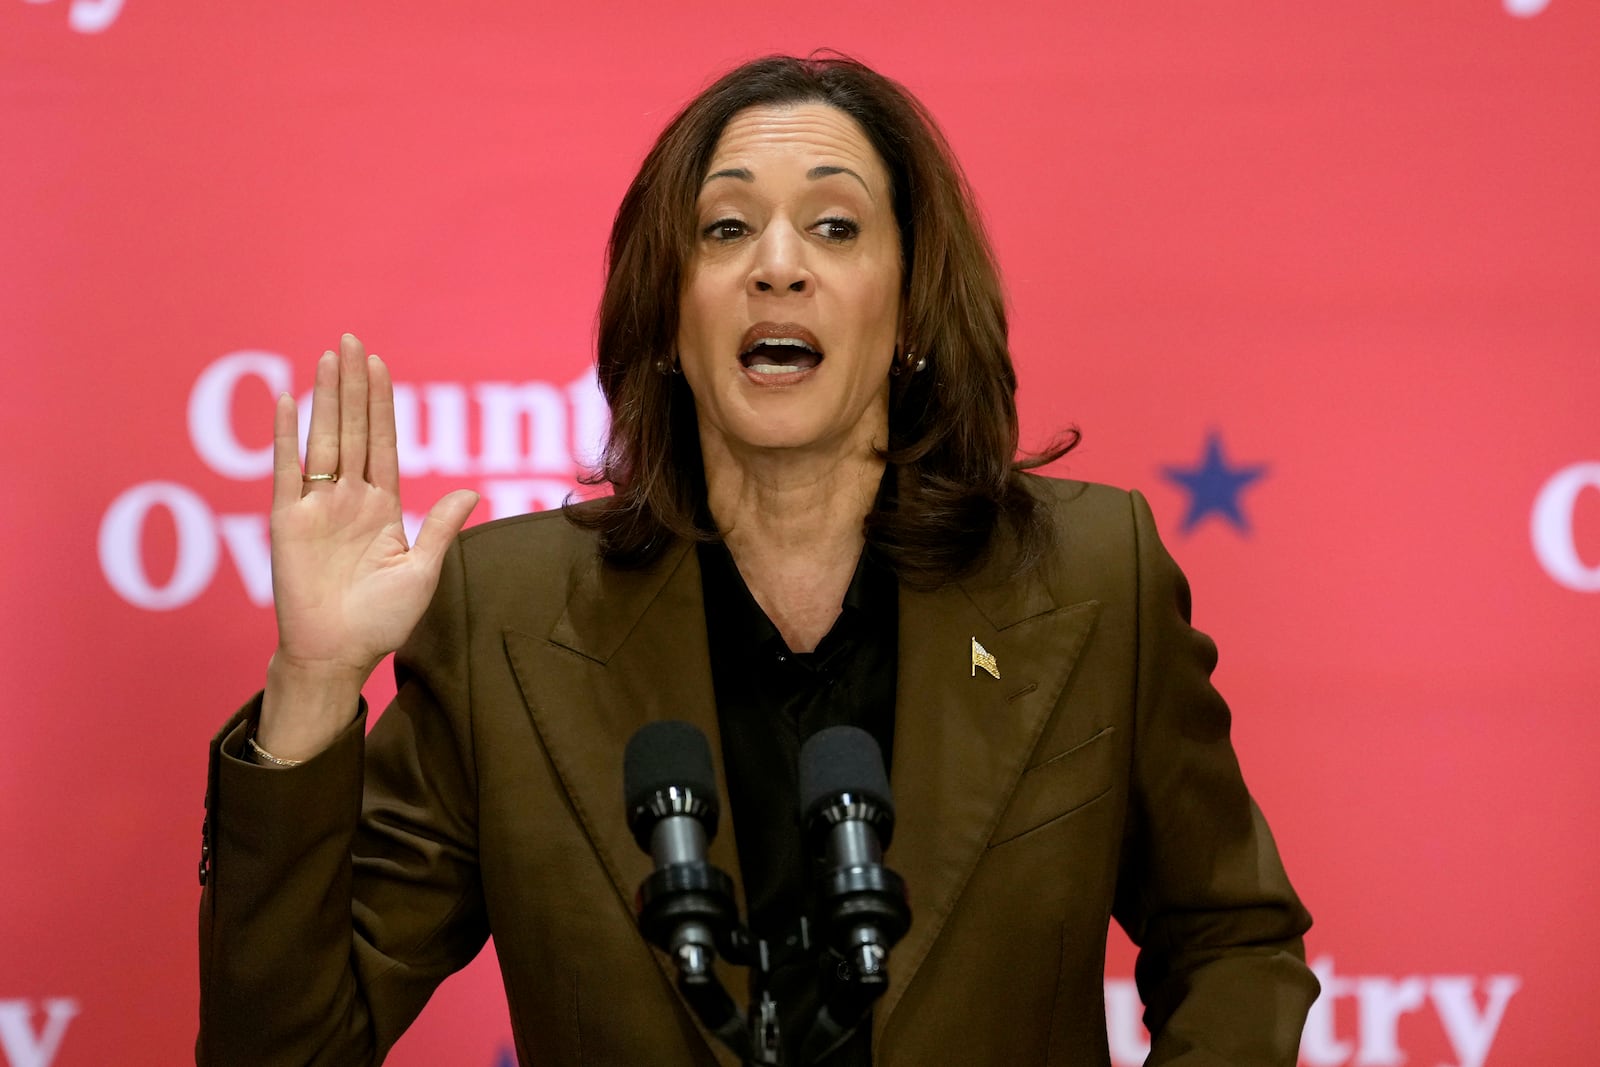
(769, 701)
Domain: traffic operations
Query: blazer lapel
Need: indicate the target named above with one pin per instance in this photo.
(629, 649)
(962, 738)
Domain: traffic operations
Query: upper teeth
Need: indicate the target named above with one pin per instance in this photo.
(794, 342)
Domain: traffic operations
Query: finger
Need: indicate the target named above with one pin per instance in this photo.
(383, 459)
(286, 481)
(443, 522)
(322, 441)
(352, 407)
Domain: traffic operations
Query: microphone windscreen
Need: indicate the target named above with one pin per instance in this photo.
(663, 754)
(842, 759)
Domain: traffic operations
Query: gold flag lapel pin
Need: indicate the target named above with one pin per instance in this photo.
(981, 657)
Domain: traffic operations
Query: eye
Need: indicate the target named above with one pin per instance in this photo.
(725, 230)
(837, 229)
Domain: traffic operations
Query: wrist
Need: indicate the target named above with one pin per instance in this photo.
(317, 675)
(305, 706)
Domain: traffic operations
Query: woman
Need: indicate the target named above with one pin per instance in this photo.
(816, 519)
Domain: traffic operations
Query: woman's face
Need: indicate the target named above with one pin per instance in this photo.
(790, 310)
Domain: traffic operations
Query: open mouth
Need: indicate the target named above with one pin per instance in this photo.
(776, 349)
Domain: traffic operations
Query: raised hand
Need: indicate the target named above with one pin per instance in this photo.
(346, 587)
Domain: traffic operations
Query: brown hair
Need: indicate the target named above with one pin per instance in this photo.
(952, 427)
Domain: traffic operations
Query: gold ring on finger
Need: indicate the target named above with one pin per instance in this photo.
(319, 477)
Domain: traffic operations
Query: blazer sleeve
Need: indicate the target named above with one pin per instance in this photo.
(1201, 891)
(339, 893)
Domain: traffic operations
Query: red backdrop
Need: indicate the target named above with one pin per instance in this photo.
(1320, 279)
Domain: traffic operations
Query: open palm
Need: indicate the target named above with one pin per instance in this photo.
(346, 586)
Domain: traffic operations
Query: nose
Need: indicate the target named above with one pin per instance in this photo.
(780, 263)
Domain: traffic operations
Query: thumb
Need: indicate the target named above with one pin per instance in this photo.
(443, 521)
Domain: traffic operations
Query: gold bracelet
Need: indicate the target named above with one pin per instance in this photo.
(276, 761)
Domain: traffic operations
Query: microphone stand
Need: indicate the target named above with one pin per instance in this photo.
(687, 910)
(852, 983)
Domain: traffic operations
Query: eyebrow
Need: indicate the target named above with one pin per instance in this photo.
(815, 173)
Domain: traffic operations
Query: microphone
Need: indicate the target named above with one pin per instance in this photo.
(686, 905)
(861, 905)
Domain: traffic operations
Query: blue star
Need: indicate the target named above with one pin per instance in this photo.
(1214, 486)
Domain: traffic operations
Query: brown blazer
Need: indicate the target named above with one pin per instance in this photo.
(1094, 779)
